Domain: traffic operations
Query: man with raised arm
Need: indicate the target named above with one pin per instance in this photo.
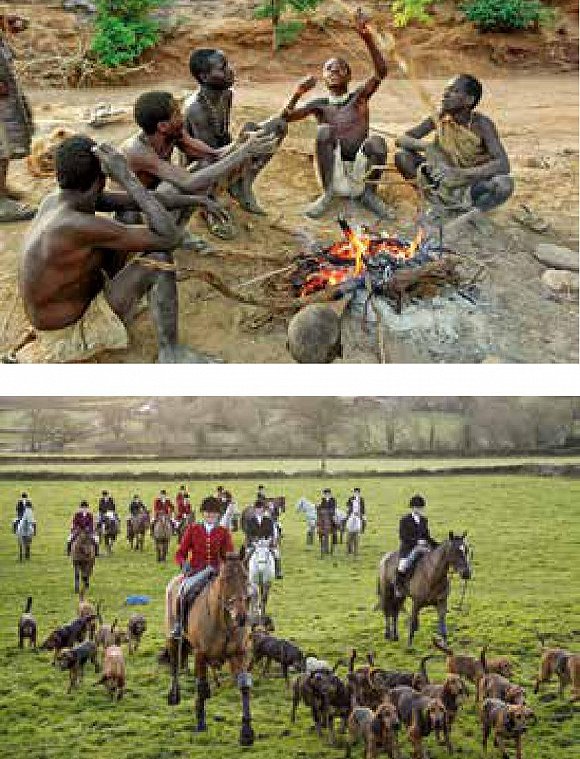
(350, 161)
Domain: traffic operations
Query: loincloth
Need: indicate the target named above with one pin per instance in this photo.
(349, 177)
(99, 329)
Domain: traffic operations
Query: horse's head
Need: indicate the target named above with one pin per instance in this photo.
(234, 586)
(457, 550)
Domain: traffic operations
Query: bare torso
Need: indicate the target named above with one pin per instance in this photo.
(137, 151)
(59, 276)
(349, 121)
(211, 125)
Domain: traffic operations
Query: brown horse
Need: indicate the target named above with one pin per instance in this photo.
(162, 532)
(83, 558)
(325, 527)
(216, 631)
(429, 585)
(137, 526)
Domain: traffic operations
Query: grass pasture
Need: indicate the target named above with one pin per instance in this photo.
(526, 537)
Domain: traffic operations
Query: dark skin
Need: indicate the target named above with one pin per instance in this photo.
(148, 155)
(67, 245)
(457, 103)
(346, 124)
(215, 89)
(10, 25)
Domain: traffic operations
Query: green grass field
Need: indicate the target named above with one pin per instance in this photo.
(526, 537)
(212, 467)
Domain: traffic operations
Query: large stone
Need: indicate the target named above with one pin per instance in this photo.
(557, 257)
(561, 282)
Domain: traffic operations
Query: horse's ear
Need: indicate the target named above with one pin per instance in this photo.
(450, 534)
(242, 553)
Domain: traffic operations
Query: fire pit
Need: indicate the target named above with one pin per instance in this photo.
(389, 266)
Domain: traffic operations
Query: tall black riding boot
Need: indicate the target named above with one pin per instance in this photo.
(400, 581)
(278, 569)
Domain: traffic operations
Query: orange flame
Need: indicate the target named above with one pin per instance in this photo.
(417, 240)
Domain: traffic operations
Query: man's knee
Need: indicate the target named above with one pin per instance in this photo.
(406, 163)
(504, 187)
(492, 192)
(375, 147)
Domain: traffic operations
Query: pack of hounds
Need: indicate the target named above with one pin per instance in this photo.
(373, 705)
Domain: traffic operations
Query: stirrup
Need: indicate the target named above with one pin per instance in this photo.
(177, 632)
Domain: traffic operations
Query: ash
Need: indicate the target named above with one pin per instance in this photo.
(445, 328)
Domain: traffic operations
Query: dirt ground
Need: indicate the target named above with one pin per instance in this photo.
(515, 320)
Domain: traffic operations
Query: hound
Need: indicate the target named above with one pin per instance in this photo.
(27, 626)
(506, 721)
(377, 729)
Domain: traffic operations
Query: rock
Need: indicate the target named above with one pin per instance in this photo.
(314, 335)
(561, 282)
(557, 257)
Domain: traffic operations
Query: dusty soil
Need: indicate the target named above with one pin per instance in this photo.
(537, 114)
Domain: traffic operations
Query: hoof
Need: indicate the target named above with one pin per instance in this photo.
(201, 727)
(174, 696)
(246, 736)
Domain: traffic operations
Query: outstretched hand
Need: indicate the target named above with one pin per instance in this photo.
(305, 85)
(113, 163)
(259, 143)
(362, 21)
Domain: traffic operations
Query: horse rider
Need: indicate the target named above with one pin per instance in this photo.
(182, 494)
(106, 506)
(415, 542)
(224, 497)
(183, 509)
(260, 526)
(326, 509)
(161, 505)
(203, 547)
(82, 520)
(23, 503)
(136, 506)
(356, 505)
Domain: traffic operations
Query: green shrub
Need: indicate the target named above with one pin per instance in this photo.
(287, 32)
(124, 29)
(506, 15)
(405, 11)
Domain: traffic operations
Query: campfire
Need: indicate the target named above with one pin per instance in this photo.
(391, 266)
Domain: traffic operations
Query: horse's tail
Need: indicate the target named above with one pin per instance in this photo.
(442, 646)
(28, 605)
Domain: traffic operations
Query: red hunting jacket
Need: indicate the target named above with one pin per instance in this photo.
(204, 549)
(82, 522)
(183, 507)
(159, 507)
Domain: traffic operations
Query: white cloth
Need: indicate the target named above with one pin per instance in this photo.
(348, 177)
(416, 517)
(208, 527)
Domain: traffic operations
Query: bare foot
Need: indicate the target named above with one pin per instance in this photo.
(319, 207)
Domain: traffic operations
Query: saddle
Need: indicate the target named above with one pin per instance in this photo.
(190, 589)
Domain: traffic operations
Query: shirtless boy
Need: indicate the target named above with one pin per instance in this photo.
(345, 153)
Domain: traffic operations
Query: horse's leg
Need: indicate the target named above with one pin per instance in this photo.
(174, 648)
(413, 623)
(19, 550)
(441, 619)
(28, 544)
(203, 692)
(244, 680)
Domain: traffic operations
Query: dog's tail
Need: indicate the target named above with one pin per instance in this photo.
(483, 660)
(371, 658)
(352, 660)
(28, 605)
(442, 646)
(423, 666)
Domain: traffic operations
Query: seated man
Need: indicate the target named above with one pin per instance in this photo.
(106, 506)
(183, 509)
(161, 505)
(149, 155)
(77, 290)
(23, 503)
(82, 520)
(136, 506)
(202, 549)
(207, 118)
(415, 541)
(182, 494)
(356, 505)
(466, 165)
(345, 153)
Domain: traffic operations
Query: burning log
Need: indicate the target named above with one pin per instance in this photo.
(422, 281)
